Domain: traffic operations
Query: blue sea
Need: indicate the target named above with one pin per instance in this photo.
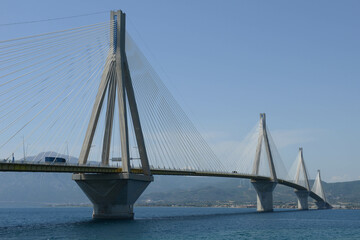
(180, 223)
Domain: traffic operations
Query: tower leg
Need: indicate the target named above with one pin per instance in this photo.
(264, 191)
(112, 195)
(302, 196)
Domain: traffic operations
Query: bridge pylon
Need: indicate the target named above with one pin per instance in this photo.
(302, 195)
(319, 190)
(113, 195)
(264, 189)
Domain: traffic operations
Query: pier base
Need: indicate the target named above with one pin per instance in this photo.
(264, 191)
(113, 195)
(302, 196)
(321, 205)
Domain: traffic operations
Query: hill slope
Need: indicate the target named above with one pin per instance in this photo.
(37, 189)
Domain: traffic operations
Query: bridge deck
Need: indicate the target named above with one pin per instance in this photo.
(75, 168)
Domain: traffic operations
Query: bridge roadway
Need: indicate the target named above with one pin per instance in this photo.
(75, 168)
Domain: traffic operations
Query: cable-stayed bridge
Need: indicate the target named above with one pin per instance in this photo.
(90, 92)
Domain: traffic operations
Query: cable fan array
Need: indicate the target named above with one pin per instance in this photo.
(171, 139)
(298, 172)
(318, 188)
(242, 157)
(47, 86)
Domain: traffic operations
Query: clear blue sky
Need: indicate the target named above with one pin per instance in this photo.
(227, 61)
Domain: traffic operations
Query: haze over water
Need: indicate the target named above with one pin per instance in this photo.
(180, 223)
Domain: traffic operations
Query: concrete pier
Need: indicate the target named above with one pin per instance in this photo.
(264, 191)
(302, 196)
(113, 195)
(321, 205)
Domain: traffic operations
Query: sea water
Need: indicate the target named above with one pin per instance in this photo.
(180, 223)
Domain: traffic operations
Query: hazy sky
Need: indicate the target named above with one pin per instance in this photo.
(227, 61)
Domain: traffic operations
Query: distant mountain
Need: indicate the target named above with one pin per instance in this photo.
(40, 157)
(343, 192)
(240, 192)
(38, 189)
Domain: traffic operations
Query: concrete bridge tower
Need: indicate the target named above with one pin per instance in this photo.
(113, 195)
(302, 195)
(317, 188)
(264, 188)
